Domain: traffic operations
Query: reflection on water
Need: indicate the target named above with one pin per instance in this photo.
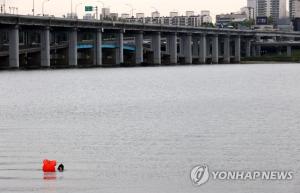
(49, 175)
(143, 129)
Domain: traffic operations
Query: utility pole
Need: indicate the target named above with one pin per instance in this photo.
(76, 6)
(72, 9)
(4, 6)
(43, 5)
(101, 17)
(96, 12)
(33, 7)
(131, 10)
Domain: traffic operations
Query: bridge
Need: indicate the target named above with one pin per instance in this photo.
(50, 41)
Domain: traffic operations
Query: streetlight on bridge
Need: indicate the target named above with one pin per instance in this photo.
(76, 6)
(99, 8)
(131, 10)
(4, 6)
(33, 7)
(12, 10)
(43, 4)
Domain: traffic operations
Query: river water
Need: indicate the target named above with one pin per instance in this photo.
(141, 130)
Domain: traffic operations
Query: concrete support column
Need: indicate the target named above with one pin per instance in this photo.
(227, 49)
(98, 48)
(195, 47)
(258, 47)
(237, 48)
(168, 45)
(14, 47)
(139, 49)
(181, 47)
(120, 48)
(208, 46)
(173, 48)
(253, 48)
(203, 51)
(45, 48)
(73, 48)
(156, 46)
(188, 57)
(258, 50)
(215, 49)
(248, 48)
(289, 51)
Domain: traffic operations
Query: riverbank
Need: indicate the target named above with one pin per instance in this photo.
(146, 65)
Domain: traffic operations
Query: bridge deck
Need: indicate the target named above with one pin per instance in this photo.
(54, 22)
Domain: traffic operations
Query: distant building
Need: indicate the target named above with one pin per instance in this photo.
(140, 15)
(205, 12)
(155, 14)
(297, 9)
(71, 15)
(252, 4)
(227, 19)
(274, 8)
(296, 19)
(173, 19)
(249, 12)
(114, 16)
(278, 10)
(263, 8)
(174, 14)
(89, 16)
(189, 13)
(140, 18)
(296, 24)
(294, 7)
(105, 12)
(125, 16)
(194, 21)
(205, 17)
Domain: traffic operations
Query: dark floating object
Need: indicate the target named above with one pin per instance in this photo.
(61, 168)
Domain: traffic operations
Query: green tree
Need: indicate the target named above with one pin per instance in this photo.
(207, 25)
(270, 20)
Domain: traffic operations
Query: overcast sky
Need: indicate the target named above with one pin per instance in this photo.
(60, 7)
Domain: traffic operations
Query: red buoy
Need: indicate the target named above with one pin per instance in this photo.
(49, 165)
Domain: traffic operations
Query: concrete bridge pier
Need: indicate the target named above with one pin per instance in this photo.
(258, 47)
(98, 48)
(237, 48)
(227, 50)
(181, 46)
(120, 48)
(139, 52)
(208, 46)
(289, 51)
(188, 57)
(14, 47)
(172, 48)
(156, 46)
(167, 44)
(253, 50)
(73, 48)
(248, 48)
(195, 47)
(45, 48)
(258, 50)
(215, 49)
(203, 51)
